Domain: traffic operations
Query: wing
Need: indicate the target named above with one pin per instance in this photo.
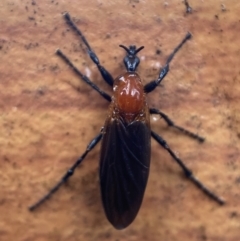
(124, 169)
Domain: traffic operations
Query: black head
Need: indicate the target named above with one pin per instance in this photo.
(131, 60)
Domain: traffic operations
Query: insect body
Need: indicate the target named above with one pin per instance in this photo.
(126, 135)
(125, 154)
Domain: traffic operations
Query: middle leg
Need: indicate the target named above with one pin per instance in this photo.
(172, 124)
(82, 76)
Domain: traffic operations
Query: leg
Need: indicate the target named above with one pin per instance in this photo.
(153, 84)
(187, 172)
(171, 123)
(83, 77)
(68, 174)
(188, 8)
(105, 74)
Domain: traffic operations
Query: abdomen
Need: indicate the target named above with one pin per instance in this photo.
(124, 169)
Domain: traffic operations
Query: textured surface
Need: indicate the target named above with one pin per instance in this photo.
(46, 123)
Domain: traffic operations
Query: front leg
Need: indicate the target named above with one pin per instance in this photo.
(163, 72)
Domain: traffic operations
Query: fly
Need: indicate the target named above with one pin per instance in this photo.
(126, 136)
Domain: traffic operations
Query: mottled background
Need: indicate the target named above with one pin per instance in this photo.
(47, 117)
